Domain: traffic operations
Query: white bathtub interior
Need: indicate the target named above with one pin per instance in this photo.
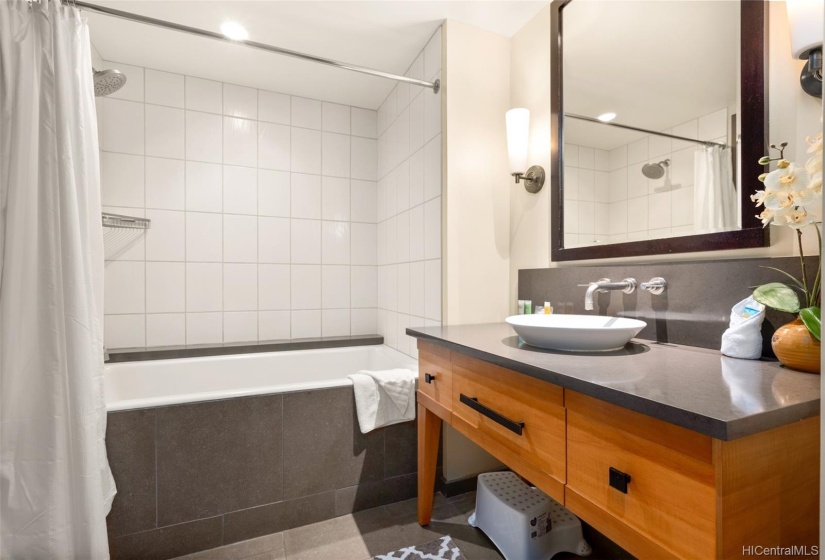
(144, 384)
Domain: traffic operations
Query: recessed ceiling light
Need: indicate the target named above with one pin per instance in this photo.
(234, 30)
(606, 117)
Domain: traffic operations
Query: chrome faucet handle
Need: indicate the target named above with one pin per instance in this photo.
(655, 286)
(631, 285)
(597, 282)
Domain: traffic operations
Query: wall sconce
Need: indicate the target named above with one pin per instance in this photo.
(518, 139)
(805, 18)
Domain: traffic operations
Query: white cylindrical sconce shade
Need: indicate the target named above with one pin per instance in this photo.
(805, 19)
(518, 138)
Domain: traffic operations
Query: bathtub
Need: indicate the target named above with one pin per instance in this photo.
(154, 383)
(208, 451)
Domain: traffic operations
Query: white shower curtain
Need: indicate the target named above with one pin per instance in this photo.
(714, 199)
(55, 484)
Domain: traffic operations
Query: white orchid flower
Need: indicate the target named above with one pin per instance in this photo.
(814, 143)
(796, 179)
(814, 164)
(816, 185)
(766, 216)
(777, 200)
(799, 218)
(790, 188)
(758, 197)
(804, 197)
(773, 180)
(782, 213)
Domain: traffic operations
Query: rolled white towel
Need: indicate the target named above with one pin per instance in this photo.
(383, 398)
(743, 338)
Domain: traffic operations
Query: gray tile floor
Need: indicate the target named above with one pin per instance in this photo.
(362, 535)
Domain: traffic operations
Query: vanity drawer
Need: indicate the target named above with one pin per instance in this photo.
(669, 495)
(435, 378)
(499, 407)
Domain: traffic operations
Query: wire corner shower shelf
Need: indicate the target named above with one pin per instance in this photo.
(120, 221)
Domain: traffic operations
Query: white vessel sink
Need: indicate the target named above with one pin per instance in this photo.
(576, 333)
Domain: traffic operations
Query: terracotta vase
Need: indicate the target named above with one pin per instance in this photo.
(796, 348)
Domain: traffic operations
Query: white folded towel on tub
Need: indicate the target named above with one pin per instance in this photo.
(383, 398)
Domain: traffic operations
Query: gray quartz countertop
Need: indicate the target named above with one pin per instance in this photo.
(699, 389)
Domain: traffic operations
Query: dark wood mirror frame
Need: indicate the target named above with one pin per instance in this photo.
(753, 107)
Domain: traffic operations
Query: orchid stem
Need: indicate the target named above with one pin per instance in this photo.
(815, 296)
(802, 262)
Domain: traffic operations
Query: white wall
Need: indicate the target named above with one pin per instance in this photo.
(262, 207)
(477, 92)
(793, 115)
(409, 203)
(477, 222)
(530, 88)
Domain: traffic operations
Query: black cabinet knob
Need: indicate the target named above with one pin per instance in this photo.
(619, 480)
(429, 378)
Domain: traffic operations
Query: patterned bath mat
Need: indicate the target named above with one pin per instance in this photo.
(439, 549)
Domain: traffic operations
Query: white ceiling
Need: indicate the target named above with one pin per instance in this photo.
(385, 35)
(655, 64)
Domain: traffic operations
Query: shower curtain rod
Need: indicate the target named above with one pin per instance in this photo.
(435, 86)
(665, 134)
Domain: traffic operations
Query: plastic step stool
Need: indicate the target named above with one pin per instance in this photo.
(524, 522)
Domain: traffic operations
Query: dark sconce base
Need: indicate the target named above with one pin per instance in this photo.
(533, 179)
(811, 78)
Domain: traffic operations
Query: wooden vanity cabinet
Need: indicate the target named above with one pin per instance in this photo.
(656, 489)
(435, 377)
(517, 419)
(668, 497)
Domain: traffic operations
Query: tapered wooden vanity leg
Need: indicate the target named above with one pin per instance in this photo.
(429, 433)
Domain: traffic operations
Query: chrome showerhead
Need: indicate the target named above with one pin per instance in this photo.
(108, 81)
(655, 170)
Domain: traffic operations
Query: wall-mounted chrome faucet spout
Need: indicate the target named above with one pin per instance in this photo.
(628, 286)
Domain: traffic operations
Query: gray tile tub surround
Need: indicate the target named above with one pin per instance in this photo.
(695, 388)
(197, 476)
(695, 308)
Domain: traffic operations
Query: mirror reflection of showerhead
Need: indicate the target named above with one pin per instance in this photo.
(655, 170)
(108, 81)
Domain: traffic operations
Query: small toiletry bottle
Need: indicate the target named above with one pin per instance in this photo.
(548, 309)
(521, 307)
(528, 307)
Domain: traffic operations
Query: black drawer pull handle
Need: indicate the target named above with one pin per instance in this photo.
(513, 426)
(619, 480)
(429, 378)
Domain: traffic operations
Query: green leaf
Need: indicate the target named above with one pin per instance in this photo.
(811, 316)
(788, 274)
(777, 296)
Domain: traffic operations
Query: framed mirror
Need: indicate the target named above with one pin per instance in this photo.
(658, 121)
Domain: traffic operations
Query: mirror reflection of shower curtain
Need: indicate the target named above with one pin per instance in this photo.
(714, 198)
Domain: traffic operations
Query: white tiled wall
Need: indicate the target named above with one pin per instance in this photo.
(609, 200)
(263, 209)
(409, 204)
